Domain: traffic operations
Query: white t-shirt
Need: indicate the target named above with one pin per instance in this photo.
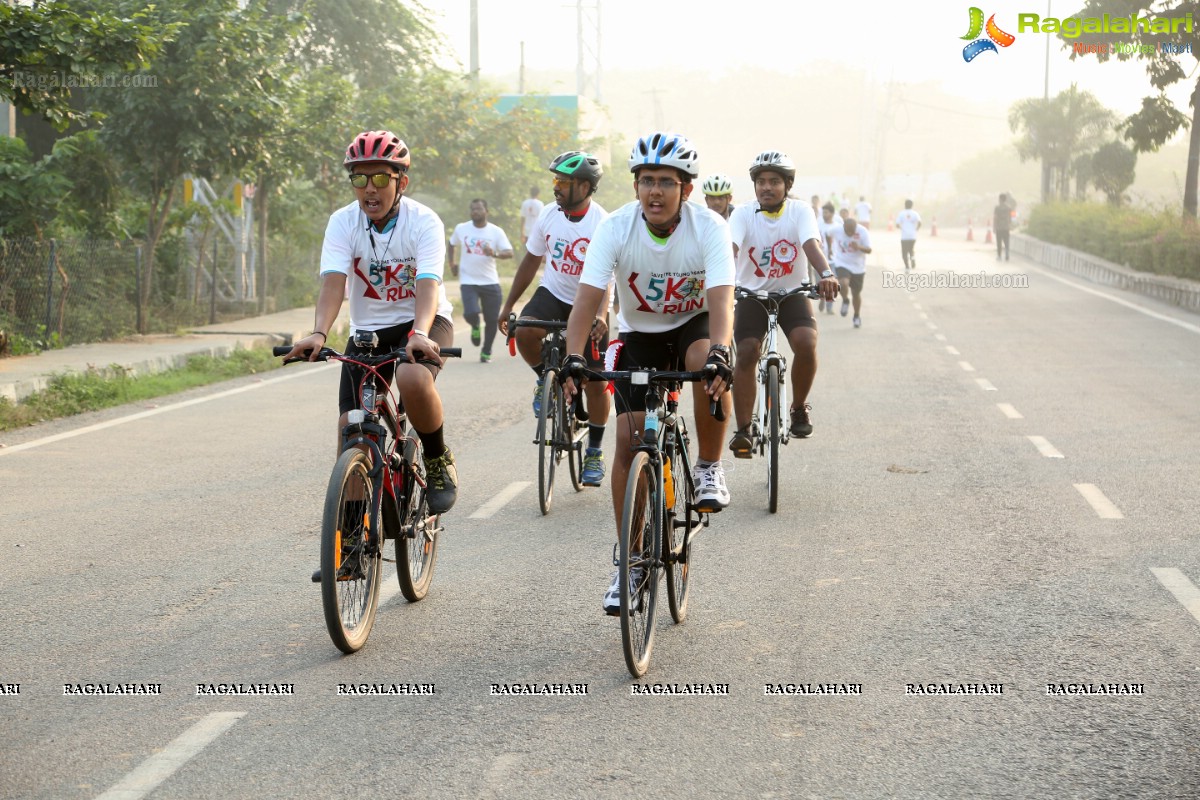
(862, 211)
(827, 229)
(473, 266)
(382, 269)
(846, 252)
(770, 253)
(531, 209)
(564, 244)
(907, 221)
(659, 286)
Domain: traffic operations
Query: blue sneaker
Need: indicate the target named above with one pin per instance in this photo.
(537, 397)
(593, 467)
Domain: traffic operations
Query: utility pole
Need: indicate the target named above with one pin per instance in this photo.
(1046, 101)
(521, 72)
(587, 35)
(475, 44)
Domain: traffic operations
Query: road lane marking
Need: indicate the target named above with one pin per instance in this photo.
(1184, 590)
(916, 305)
(1187, 326)
(1103, 507)
(966, 365)
(500, 500)
(952, 350)
(1009, 411)
(941, 337)
(923, 315)
(931, 326)
(99, 426)
(985, 384)
(1044, 447)
(146, 777)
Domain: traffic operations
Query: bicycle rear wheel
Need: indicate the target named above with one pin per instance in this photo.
(640, 538)
(549, 433)
(773, 434)
(351, 555)
(574, 435)
(681, 517)
(416, 546)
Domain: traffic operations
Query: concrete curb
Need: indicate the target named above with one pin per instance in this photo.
(1176, 291)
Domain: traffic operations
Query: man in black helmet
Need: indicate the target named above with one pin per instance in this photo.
(559, 237)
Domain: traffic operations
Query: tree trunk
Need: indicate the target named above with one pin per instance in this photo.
(1193, 165)
(154, 228)
(262, 195)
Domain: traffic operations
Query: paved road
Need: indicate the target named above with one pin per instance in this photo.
(1000, 493)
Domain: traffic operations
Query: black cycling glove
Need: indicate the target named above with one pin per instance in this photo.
(573, 366)
(718, 357)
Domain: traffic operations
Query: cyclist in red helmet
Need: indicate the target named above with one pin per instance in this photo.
(387, 253)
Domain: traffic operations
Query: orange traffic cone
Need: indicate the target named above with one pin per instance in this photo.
(890, 227)
(933, 227)
(970, 233)
(988, 239)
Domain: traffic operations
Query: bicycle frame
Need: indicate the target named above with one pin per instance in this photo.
(770, 355)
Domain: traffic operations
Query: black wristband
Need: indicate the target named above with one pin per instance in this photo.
(324, 335)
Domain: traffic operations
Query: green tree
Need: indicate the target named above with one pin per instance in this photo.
(1158, 119)
(50, 48)
(1058, 130)
(224, 84)
(1112, 167)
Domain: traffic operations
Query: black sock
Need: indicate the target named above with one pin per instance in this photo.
(595, 436)
(432, 443)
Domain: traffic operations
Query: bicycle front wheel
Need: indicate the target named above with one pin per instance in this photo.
(351, 556)
(681, 517)
(548, 435)
(773, 434)
(416, 546)
(641, 529)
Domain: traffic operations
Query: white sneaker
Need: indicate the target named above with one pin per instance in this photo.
(612, 597)
(845, 307)
(711, 491)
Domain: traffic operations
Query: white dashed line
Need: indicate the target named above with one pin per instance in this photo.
(160, 766)
(916, 305)
(923, 315)
(966, 366)
(952, 350)
(1103, 507)
(985, 384)
(1184, 590)
(1009, 411)
(941, 337)
(931, 326)
(1044, 447)
(500, 500)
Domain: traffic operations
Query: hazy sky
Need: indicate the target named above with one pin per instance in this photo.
(907, 42)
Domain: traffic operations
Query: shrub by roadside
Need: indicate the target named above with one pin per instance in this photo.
(1147, 242)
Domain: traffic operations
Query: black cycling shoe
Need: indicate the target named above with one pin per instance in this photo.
(441, 483)
(801, 424)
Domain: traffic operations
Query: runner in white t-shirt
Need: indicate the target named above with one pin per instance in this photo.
(530, 210)
(850, 247)
(774, 239)
(560, 236)
(862, 212)
(482, 243)
(673, 264)
(390, 252)
(909, 222)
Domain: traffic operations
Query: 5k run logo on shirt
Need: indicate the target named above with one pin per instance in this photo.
(397, 281)
(674, 295)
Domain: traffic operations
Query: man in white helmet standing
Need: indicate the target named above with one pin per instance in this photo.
(673, 264)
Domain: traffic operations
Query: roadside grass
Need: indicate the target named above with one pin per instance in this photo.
(75, 393)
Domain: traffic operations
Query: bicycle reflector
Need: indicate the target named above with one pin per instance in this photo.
(356, 416)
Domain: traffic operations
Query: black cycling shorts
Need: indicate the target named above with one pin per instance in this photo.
(442, 332)
(750, 317)
(544, 305)
(664, 350)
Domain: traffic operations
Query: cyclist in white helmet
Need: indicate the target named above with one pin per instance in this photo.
(771, 238)
(674, 272)
(718, 195)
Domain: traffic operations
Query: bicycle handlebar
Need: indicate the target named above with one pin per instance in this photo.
(806, 289)
(651, 376)
(373, 359)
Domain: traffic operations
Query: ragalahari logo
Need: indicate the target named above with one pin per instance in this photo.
(995, 36)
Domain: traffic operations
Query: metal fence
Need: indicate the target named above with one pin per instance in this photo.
(67, 291)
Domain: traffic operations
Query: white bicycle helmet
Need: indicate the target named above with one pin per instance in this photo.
(774, 161)
(717, 185)
(661, 149)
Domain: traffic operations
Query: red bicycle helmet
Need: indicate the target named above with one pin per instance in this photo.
(378, 146)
